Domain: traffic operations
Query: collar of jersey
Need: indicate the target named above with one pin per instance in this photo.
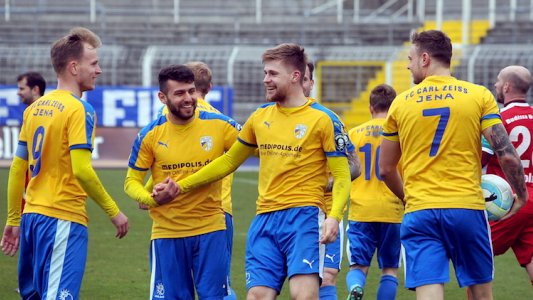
(291, 110)
(439, 78)
(183, 127)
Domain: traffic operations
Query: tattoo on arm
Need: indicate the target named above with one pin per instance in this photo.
(500, 141)
(355, 165)
(508, 158)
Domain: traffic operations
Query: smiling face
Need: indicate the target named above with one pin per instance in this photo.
(88, 68)
(25, 92)
(277, 80)
(180, 99)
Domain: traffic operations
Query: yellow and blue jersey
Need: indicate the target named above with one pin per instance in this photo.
(293, 144)
(370, 198)
(53, 125)
(177, 151)
(438, 124)
(227, 181)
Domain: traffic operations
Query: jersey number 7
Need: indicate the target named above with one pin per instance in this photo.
(444, 113)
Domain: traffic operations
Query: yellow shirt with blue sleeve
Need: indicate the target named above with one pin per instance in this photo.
(227, 181)
(370, 198)
(177, 151)
(438, 124)
(53, 126)
(293, 144)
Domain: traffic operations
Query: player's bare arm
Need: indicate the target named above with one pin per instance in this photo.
(510, 163)
(354, 164)
(388, 162)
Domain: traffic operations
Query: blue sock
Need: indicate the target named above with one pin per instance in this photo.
(387, 287)
(355, 277)
(328, 292)
(231, 295)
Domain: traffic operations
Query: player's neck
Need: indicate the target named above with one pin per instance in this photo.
(295, 99)
(514, 99)
(72, 87)
(379, 115)
(179, 121)
(438, 70)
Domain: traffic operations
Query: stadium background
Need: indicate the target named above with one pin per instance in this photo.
(356, 44)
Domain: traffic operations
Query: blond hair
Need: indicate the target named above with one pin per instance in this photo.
(292, 55)
(71, 46)
(202, 76)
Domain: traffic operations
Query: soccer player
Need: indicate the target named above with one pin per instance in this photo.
(435, 128)
(511, 87)
(186, 230)
(31, 86)
(333, 253)
(296, 138)
(55, 145)
(202, 82)
(375, 212)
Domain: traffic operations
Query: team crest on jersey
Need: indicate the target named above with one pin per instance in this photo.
(300, 130)
(341, 141)
(65, 294)
(206, 142)
(159, 290)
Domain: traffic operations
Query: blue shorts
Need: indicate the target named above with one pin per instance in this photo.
(52, 257)
(180, 265)
(284, 243)
(364, 238)
(333, 257)
(432, 237)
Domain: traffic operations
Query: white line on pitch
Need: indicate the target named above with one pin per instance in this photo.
(246, 180)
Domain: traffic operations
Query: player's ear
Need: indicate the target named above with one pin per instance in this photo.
(35, 90)
(72, 67)
(296, 75)
(162, 97)
(506, 87)
(425, 59)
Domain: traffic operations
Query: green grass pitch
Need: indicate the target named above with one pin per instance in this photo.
(119, 269)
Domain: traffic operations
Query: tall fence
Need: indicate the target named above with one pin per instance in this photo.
(344, 70)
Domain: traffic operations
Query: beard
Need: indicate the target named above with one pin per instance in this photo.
(26, 100)
(275, 96)
(499, 97)
(181, 113)
(417, 80)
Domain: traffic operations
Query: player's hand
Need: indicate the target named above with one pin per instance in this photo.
(166, 191)
(517, 204)
(330, 231)
(159, 187)
(143, 206)
(10, 240)
(121, 224)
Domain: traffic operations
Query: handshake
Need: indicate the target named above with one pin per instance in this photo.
(165, 191)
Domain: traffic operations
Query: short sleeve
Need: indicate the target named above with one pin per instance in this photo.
(247, 134)
(81, 125)
(490, 114)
